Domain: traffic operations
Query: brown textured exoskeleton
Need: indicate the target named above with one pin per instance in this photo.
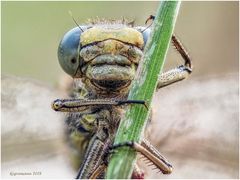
(103, 57)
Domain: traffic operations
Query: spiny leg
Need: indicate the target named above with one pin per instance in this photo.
(166, 167)
(79, 105)
(152, 154)
(179, 73)
(98, 172)
(178, 45)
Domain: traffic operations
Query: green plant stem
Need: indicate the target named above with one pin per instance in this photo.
(133, 123)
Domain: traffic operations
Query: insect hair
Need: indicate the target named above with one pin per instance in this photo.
(104, 21)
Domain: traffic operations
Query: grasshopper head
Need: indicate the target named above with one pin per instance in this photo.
(104, 56)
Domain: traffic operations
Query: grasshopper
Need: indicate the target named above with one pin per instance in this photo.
(103, 57)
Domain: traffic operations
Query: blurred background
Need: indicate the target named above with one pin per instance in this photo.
(195, 123)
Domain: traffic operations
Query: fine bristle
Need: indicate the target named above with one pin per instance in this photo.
(104, 21)
(151, 164)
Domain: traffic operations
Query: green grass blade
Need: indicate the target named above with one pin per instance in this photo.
(133, 123)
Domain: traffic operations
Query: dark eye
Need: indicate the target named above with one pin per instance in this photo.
(145, 33)
(68, 51)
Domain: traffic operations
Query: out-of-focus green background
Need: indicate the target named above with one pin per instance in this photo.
(31, 32)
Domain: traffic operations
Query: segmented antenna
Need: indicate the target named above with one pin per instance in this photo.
(70, 13)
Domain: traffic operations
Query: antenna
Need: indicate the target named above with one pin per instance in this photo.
(70, 13)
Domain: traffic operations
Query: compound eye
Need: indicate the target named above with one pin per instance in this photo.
(68, 55)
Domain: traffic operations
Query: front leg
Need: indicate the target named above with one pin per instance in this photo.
(179, 73)
(172, 76)
(81, 105)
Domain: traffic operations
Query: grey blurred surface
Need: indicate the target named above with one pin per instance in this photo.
(195, 125)
(31, 132)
